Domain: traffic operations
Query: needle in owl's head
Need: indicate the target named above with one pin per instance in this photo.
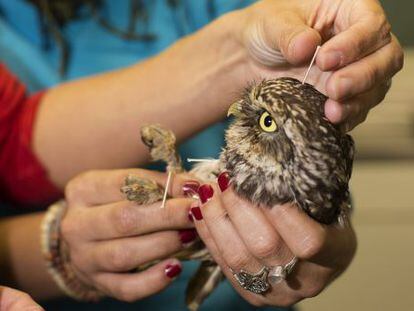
(311, 64)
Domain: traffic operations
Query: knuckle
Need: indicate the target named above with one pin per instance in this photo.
(124, 293)
(237, 261)
(68, 228)
(118, 259)
(79, 186)
(125, 220)
(312, 245)
(265, 247)
(370, 76)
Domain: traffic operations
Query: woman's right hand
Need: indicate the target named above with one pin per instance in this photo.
(107, 235)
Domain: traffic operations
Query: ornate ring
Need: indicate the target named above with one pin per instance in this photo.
(255, 283)
(279, 273)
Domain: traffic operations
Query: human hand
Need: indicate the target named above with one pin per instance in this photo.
(241, 236)
(107, 235)
(14, 300)
(358, 58)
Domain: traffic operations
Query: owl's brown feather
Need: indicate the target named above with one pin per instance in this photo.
(307, 160)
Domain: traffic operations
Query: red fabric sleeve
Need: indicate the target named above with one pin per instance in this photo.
(23, 180)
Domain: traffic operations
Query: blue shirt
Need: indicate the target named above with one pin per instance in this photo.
(93, 49)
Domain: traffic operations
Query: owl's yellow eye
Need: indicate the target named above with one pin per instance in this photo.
(267, 123)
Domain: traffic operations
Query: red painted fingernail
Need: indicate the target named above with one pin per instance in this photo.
(205, 192)
(172, 270)
(196, 212)
(190, 216)
(187, 236)
(223, 181)
(190, 188)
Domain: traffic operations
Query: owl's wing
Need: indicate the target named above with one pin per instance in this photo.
(348, 153)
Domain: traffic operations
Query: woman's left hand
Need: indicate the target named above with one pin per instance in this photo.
(241, 236)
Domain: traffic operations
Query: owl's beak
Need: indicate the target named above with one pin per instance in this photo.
(234, 110)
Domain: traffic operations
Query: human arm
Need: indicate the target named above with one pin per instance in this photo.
(93, 122)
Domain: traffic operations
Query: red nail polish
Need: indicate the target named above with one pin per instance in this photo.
(205, 192)
(187, 236)
(190, 216)
(223, 181)
(172, 270)
(196, 212)
(190, 188)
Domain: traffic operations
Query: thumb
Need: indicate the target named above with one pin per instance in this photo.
(282, 38)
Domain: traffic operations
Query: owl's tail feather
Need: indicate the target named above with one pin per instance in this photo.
(202, 284)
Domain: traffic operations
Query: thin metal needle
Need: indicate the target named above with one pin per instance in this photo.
(167, 186)
(200, 160)
(311, 64)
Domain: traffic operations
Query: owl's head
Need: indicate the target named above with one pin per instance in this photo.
(278, 123)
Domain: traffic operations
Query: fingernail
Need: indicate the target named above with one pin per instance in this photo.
(187, 236)
(172, 270)
(223, 181)
(332, 60)
(205, 192)
(190, 216)
(196, 212)
(190, 188)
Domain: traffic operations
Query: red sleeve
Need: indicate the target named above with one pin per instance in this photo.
(23, 180)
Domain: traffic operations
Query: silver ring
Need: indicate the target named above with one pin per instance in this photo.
(279, 273)
(255, 283)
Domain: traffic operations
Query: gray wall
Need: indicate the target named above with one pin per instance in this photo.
(401, 16)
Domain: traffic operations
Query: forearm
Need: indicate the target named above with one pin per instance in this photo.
(22, 263)
(94, 122)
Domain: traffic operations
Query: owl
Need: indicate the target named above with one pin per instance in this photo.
(279, 148)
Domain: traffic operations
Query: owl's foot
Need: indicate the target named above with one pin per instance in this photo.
(161, 143)
(141, 190)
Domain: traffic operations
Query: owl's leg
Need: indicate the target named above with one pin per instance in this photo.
(202, 284)
(161, 143)
(141, 190)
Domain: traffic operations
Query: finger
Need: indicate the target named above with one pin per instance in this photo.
(14, 300)
(134, 286)
(366, 31)
(210, 243)
(286, 32)
(225, 236)
(365, 74)
(257, 233)
(310, 240)
(352, 112)
(125, 254)
(103, 186)
(123, 219)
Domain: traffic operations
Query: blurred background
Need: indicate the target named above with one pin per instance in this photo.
(381, 276)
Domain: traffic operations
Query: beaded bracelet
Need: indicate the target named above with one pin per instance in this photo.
(57, 257)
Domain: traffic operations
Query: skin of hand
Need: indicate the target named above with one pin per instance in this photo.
(107, 235)
(242, 236)
(354, 67)
(14, 300)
